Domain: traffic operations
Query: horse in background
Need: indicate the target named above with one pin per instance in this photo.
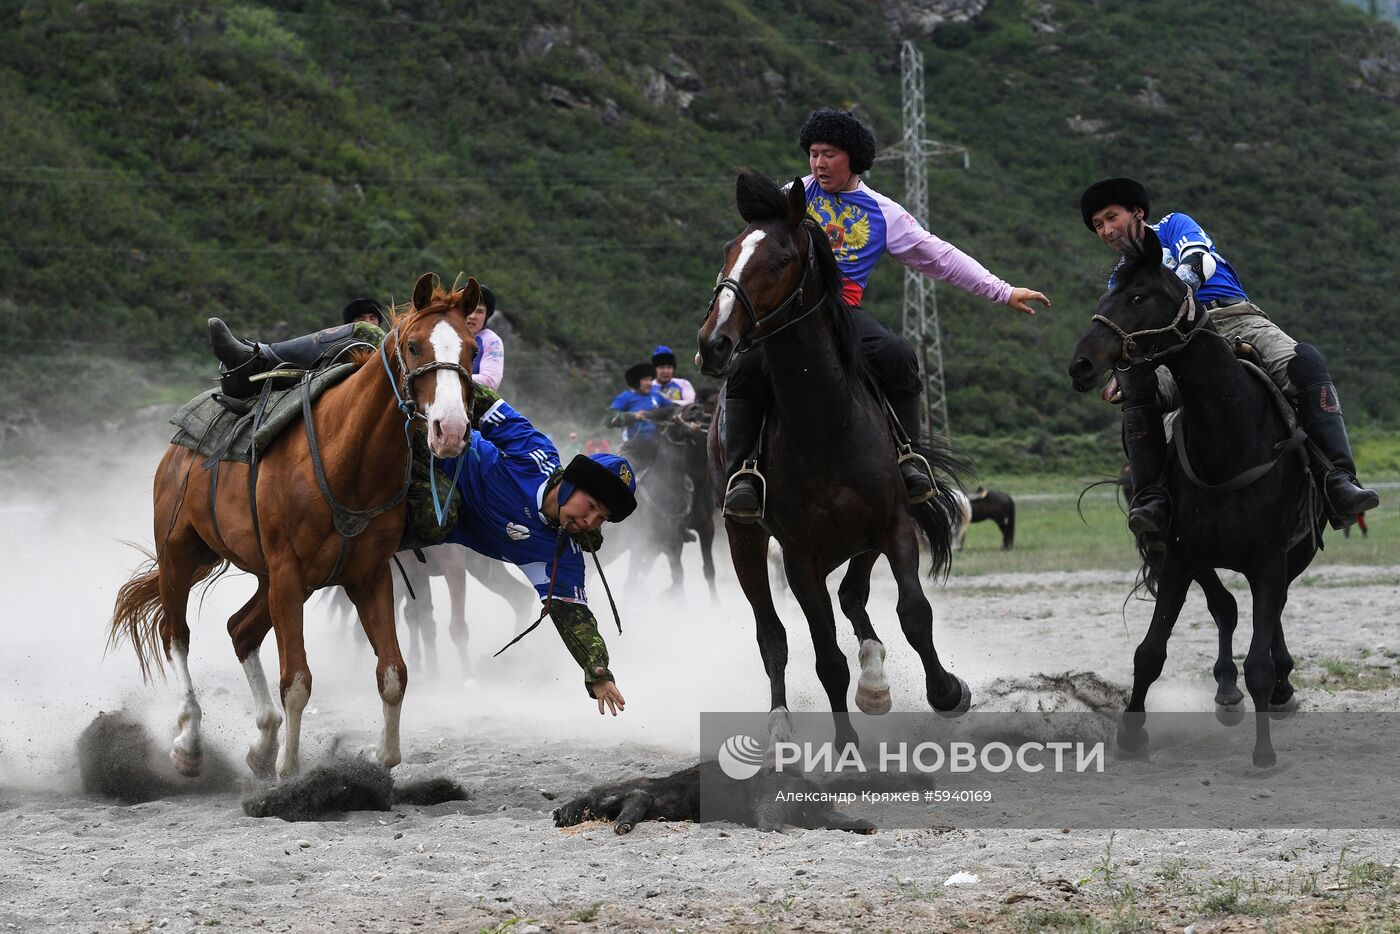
(998, 507)
(1240, 493)
(418, 608)
(835, 492)
(281, 519)
(675, 504)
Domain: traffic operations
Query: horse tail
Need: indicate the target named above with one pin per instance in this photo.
(138, 617)
(938, 518)
(1010, 522)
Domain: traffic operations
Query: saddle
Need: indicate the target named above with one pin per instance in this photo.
(1310, 513)
(209, 425)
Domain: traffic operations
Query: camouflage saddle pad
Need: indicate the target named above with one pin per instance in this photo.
(203, 425)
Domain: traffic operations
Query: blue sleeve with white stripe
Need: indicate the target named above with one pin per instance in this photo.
(1178, 231)
(512, 434)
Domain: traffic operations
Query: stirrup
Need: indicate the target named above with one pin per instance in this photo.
(749, 467)
(907, 454)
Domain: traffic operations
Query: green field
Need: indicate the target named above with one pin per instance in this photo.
(1055, 533)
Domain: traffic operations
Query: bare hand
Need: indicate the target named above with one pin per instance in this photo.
(606, 692)
(1021, 298)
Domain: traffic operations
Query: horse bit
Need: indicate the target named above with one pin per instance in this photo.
(1187, 309)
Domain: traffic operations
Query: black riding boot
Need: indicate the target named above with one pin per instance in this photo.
(918, 481)
(743, 423)
(239, 360)
(1145, 441)
(1320, 411)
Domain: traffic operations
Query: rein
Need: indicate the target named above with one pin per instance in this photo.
(794, 299)
(1187, 309)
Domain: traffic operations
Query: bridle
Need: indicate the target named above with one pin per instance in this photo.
(1187, 310)
(794, 300)
(403, 386)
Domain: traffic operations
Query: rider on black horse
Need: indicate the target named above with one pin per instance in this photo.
(861, 224)
(1115, 209)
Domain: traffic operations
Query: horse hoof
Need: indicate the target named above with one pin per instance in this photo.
(620, 828)
(1230, 714)
(873, 702)
(262, 765)
(1265, 758)
(1228, 696)
(1280, 711)
(964, 700)
(1131, 745)
(186, 763)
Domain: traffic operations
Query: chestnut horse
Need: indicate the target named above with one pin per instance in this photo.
(835, 492)
(294, 535)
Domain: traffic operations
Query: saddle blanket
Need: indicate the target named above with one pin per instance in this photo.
(203, 425)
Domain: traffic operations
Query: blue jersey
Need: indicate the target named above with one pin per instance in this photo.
(1180, 234)
(504, 471)
(633, 401)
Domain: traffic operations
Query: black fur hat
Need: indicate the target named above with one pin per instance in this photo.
(1124, 191)
(637, 372)
(363, 306)
(488, 298)
(841, 129)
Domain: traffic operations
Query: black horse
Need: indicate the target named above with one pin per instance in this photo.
(1238, 488)
(675, 504)
(836, 493)
(1001, 509)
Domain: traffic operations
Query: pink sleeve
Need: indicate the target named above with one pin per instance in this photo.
(687, 392)
(918, 249)
(493, 360)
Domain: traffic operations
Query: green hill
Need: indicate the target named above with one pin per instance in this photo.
(163, 162)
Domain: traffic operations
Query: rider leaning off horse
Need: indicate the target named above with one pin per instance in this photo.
(862, 224)
(1115, 209)
(517, 503)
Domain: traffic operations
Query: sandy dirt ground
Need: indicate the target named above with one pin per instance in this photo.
(522, 737)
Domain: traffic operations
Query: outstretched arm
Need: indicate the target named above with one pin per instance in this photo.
(579, 630)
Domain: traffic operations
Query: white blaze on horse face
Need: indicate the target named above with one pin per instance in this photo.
(726, 298)
(447, 415)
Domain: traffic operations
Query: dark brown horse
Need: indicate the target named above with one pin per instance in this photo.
(288, 535)
(835, 492)
(1001, 509)
(1237, 486)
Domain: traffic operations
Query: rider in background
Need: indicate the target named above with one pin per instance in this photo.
(862, 224)
(489, 368)
(630, 411)
(668, 383)
(1115, 210)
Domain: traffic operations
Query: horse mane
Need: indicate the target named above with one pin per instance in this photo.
(761, 201)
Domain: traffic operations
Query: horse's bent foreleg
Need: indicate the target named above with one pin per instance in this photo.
(374, 598)
(247, 628)
(873, 688)
(1225, 612)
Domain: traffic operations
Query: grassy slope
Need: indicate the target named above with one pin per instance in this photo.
(164, 162)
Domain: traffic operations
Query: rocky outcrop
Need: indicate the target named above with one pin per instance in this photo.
(917, 19)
